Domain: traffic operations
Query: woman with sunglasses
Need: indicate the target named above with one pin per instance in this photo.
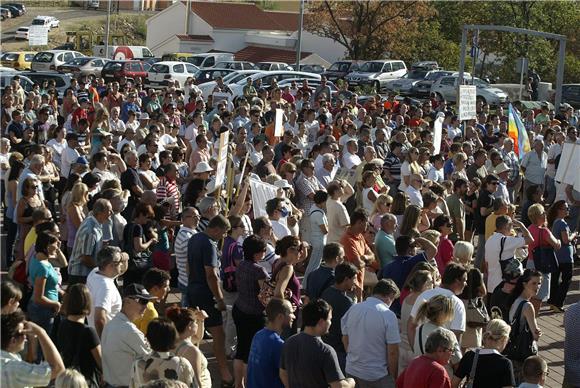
(445, 248)
(381, 207)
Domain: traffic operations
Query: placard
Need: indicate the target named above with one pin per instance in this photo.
(565, 157)
(222, 163)
(219, 97)
(261, 193)
(467, 102)
(347, 175)
(279, 123)
(437, 135)
(572, 170)
(38, 35)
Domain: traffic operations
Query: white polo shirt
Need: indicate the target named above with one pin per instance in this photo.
(370, 327)
(104, 294)
(458, 323)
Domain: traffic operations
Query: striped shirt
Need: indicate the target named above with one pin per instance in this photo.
(20, 374)
(167, 189)
(180, 249)
(88, 241)
(202, 225)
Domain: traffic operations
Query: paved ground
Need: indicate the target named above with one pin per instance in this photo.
(551, 343)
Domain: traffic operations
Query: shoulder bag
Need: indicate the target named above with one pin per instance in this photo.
(504, 263)
(545, 259)
(269, 286)
(521, 343)
(476, 313)
(471, 378)
(138, 261)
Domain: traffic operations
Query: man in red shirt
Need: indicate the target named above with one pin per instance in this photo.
(428, 371)
(356, 250)
(80, 113)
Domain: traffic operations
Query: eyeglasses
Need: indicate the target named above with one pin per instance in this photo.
(140, 301)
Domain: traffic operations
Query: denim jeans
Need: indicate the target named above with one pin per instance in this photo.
(43, 317)
(184, 298)
(550, 187)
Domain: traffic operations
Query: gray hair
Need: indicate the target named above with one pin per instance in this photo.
(130, 153)
(36, 160)
(327, 158)
(388, 217)
(70, 378)
(508, 140)
(440, 339)
(205, 204)
(101, 206)
(107, 255)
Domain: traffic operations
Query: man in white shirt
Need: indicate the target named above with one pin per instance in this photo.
(501, 246)
(414, 190)
(371, 338)
(350, 159)
(69, 155)
(336, 213)
(553, 152)
(122, 342)
(453, 282)
(534, 165)
(190, 218)
(276, 213)
(326, 173)
(106, 300)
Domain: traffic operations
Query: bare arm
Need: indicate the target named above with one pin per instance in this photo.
(96, 353)
(100, 320)
(346, 383)
(429, 248)
(38, 295)
(345, 342)
(393, 358)
(213, 283)
(49, 351)
(530, 316)
(284, 377)
(411, 330)
(282, 282)
(525, 232)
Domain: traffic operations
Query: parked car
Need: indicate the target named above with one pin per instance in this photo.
(272, 66)
(62, 81)
(175, 57)
(339, 70)
(5, 13)
(267, 77)
(406, 84)
(446, 87)
(312, 83)
(236, 65)
(423, 87)
(571, 94)
(114, 70)
(425, 65)
(90, 67)
(51, 59)
(19, 60)
(160, 73)
(207, 75)
(377, 73)
(19, 6)
(21, 33)
(15, 11)
(209, 59)
(231, 78)
(47, 21)
(317, 69)
(6, 79)
(121, 53)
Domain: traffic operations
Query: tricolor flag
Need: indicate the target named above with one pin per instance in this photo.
(517, 132)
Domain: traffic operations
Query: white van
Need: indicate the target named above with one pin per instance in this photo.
(49, 60)
(122, 53)
(209, 59)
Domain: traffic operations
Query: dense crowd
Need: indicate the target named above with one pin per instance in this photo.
(379, 259)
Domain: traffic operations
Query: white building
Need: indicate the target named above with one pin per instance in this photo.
(244, 29)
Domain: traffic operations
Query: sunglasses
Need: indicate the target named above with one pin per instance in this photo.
(140, 301)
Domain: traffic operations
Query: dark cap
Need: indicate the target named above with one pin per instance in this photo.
(83, 99)
(137, 291)
(72, 136)
(82, 160)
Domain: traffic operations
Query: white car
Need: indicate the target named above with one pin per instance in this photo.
(51, 59)
(377, 73)
(446, 87)
(267, 77)
(47, 21)
(161, 72)
(21, 33)
(232, 78)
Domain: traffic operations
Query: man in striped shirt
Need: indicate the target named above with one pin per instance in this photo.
(190, 218)
(168, 189)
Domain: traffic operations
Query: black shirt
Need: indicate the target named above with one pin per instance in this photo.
(129, 179)
(75, 342)
(318, 281)
(485, 200)
(500, 303)
(502, 374)
(340, 303)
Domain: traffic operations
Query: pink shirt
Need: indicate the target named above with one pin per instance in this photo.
(444, 253)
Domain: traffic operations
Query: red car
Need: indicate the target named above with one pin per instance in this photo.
(114, 70)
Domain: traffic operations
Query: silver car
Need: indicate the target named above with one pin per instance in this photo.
(446, 87)
(405, 85)
(89, 67)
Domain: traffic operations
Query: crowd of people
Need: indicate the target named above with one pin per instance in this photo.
(380, 259)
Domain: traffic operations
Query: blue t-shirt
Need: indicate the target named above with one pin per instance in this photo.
(448, 167)
(264, 360)
(43, 269)
(398, 270)
(565, 254)
(201, 252)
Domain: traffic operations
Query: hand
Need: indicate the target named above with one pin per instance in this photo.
(33, 328)
(57, 307)
(199, 315)
(221, 305)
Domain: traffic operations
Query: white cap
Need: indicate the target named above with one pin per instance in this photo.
(202, 167)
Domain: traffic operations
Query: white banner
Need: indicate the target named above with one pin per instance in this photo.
(467, 102)
(565, 157)
(38, 35)
(261, 193)
(279, 123)
(437, 135)
(222, 163)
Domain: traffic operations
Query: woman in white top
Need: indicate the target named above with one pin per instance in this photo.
(459, 162)
(58, 144)
(410, 166)
(148, 178)
(336, 213)
(318, 232)
(116, 125)
(369, 195)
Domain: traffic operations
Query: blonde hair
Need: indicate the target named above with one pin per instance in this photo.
(79, 194)
(432, 235)
(411, 219)
(438, 309)
(71, 378)
(382, 199)
(496, 330)
(459, 157)
(463, 252)
(535, 211)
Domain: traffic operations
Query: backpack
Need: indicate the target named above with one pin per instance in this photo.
(229, 269)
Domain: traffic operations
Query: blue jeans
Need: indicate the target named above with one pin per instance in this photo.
(184, 298)
(43, 317)
(550, 187)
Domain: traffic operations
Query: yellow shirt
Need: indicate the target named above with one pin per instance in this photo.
(30, 240)
(490, 225)
(149, 315)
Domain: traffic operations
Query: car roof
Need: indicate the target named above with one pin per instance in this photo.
(297, 73)
(19, 52)
(59, 51)
(173, 63)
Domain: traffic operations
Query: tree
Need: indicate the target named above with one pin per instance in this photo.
(368, 29)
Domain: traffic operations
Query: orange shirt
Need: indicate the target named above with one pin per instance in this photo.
(354, 246)
(269, 132)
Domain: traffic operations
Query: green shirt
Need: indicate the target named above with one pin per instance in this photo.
(385, 246)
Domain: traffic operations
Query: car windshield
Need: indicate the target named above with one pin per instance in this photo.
(114, 66)
(233, 78)
(263, 66)
(340, 66)
(79, 61)
(157, 68)
(371, 67)
(43, 57)
(10, 57)
(479, 83)
(38, 22)
(147, 53)
(195, 60)
(435, 75)
(23, 29)
(416, 74)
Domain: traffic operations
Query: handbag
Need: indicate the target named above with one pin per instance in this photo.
(138, 261)
(471, 378)
(504, 263)
(267, 291)
(521, 343)
(545, 259)
(476, 313)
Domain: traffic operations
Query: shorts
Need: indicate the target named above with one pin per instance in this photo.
(205, 301)
(247, 325)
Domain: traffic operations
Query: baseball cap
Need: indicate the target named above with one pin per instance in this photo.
(72, 136)
(137, 291)
(82, 160)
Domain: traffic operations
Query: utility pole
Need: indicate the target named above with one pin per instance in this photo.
(299, 45)
(108, 31)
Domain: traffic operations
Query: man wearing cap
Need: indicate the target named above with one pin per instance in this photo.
(106, 300)
(503, 172)
(122, 342)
